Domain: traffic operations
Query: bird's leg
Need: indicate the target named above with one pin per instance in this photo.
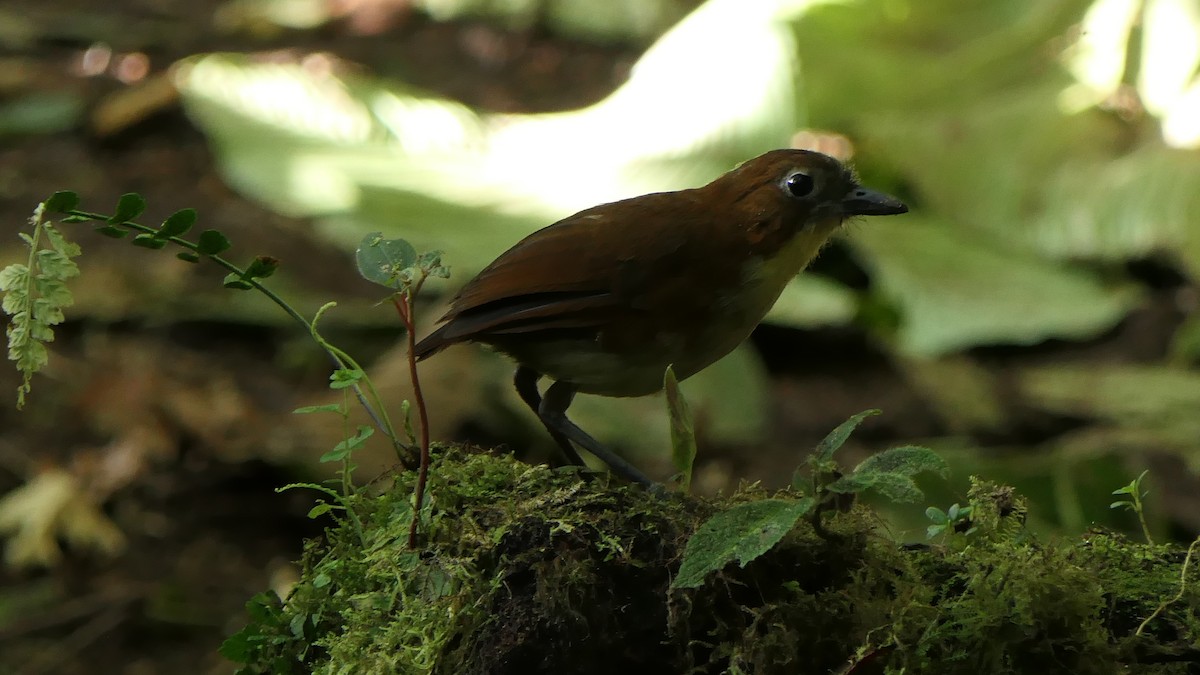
(525, 380)
(553, 413)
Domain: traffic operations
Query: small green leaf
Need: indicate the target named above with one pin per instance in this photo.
(742, 533)
(14, 301)
(831, 443)
(43, 331)
(406, 411)
(335, 455)
(343, 449)
(148, 241)
(235, 282)
(32, 356)
(265, 606)
(381, 260)
(360, 436)
(936, 515)
(212, 242)
(54, 265)
(61, 202)
(112, 231)
(188, 256)
(894, 486)
(178, 223)
(431, 262)
(320, 509)
(345, 377)
(130, 206)
(50, 313)
(683, 436)
(265, 610)
(890, 472)
(328, 407)
(13, 276)
(60, 243)
(76, 219)
(296, 625)
(241, 646)
(906, 459)
(261, 267)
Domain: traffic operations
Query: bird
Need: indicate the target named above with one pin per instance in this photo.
(603, 301)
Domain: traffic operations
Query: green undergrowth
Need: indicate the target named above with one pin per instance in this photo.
(523, 569)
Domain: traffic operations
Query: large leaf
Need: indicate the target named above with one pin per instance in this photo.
(957, 289)
(1132, 206)
(1141, 409)
(1131, 396)
(742, 532)
(371, 155)
(1000, 128)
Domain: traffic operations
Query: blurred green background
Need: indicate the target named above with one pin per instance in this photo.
(1034, 317)
(1047, 147)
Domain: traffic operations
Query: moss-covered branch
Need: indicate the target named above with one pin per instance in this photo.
(530, 570)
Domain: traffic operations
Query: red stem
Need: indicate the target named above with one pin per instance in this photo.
(405, 310)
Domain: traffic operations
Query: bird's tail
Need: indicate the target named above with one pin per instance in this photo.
(433, 343)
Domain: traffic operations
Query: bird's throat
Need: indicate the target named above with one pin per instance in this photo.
(764, 277)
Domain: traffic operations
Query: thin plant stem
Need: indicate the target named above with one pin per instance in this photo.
(1187, 561)
(344, 360)
(404, 305)
(1137, 500)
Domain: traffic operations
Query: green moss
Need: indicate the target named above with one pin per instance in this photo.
(527, 570)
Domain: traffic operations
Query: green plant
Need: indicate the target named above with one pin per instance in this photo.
(395, 264)
(1132, 500)
(955, 519)
(683, 435)
(746, 531)
(35, 294)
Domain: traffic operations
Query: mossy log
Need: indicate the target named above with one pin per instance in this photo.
(523, 569)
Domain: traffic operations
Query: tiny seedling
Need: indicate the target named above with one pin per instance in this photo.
(1132, 496)
(956, 519)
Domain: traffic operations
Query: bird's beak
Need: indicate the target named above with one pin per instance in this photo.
(863, 202)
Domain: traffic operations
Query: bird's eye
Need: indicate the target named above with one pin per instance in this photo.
(799, 184)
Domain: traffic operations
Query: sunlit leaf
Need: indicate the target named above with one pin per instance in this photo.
(371, 155)
(956, 289)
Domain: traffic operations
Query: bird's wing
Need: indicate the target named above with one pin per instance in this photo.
(575, 274)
